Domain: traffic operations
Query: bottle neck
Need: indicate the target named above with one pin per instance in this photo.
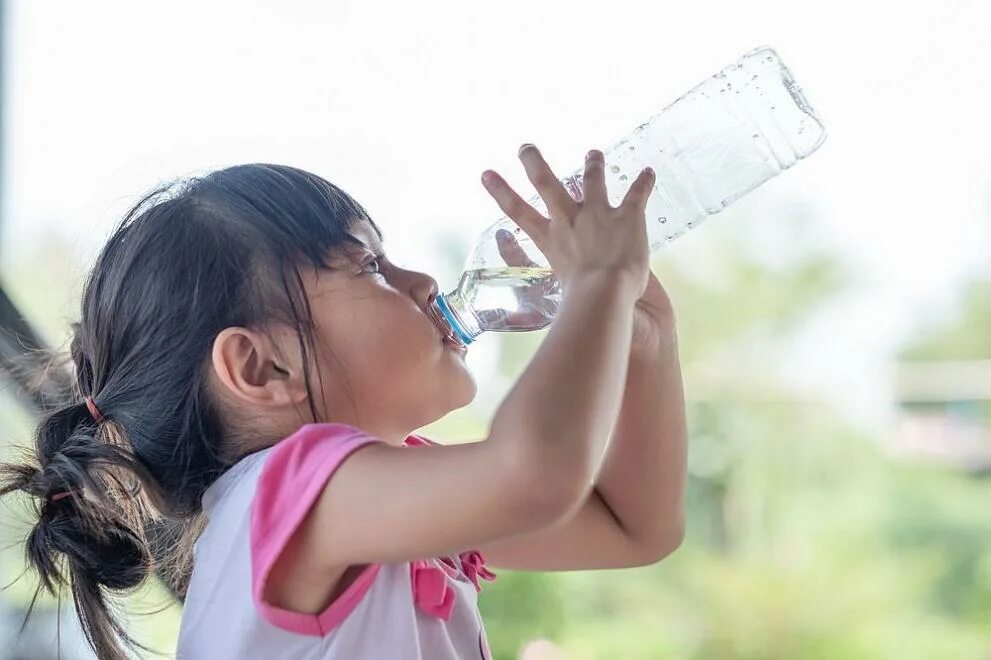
(451, 313)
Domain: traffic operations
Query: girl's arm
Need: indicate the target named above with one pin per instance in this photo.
(635, 515)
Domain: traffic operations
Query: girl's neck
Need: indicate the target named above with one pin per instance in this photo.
(393, 433)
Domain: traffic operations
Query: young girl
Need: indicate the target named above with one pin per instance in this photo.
(250, 362)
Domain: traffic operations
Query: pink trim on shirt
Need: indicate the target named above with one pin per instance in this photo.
(417, 441)
(295, 474)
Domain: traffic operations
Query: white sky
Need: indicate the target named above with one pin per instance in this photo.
(404, 104)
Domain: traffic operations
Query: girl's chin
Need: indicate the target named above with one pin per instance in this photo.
(465, 390)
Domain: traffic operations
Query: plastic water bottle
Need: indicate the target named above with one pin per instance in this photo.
(722, 139)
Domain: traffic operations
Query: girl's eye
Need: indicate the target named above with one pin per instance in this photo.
(373, 267)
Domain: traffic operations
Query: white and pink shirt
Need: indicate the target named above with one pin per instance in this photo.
(419, 610)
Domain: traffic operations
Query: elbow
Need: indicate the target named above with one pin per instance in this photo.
(661, 544)
(671, 540)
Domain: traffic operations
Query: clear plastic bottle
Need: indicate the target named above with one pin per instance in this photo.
(722, 139)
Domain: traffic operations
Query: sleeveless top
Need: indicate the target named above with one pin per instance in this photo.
(417, 610)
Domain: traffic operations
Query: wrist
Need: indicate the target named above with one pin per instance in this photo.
(615, 282)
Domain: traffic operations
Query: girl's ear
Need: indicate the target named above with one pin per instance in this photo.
(253, 368)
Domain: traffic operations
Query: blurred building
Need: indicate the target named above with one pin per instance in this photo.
(944, 413)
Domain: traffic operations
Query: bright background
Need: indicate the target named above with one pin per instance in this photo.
(836, 503)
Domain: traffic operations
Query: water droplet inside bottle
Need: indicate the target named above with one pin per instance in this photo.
(768, 59)
(614, 168)
(632, 148)
(754, 77)
(772, 107)
(623, 177)
(671, 237)
(662, 219)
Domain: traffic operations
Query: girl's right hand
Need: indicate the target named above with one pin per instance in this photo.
(587, 237)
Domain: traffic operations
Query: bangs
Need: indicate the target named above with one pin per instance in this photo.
(307, 216)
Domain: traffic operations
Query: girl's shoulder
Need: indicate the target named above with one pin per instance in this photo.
(310, 453)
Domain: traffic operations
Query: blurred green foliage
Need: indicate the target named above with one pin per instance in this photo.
(963, 335)
(805, 539)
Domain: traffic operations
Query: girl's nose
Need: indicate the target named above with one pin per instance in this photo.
(423, 288)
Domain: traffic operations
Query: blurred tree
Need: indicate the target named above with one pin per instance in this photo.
(804, 540)
(948, 524)
(962, 336)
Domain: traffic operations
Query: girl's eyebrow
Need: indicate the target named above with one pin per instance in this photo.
(375, 247)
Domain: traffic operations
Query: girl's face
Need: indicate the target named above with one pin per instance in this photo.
(385, 366)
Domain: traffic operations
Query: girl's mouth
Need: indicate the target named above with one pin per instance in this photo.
(448, 338)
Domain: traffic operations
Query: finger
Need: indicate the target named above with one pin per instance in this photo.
(558, 201)
(636, 197)
(595, 179)
(524, 319)
(493, 319)
(511, 251)
(515, 208)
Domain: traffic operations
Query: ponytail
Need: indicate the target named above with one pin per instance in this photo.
(88, 491)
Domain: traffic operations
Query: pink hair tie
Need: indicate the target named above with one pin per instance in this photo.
(93, 410)
(61, 496)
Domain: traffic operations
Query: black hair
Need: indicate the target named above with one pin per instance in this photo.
(191, 258)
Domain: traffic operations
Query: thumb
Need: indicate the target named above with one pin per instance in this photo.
(511, 251)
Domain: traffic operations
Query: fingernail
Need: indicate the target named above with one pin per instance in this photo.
(649, 171)
(487, 176)
(524, 147)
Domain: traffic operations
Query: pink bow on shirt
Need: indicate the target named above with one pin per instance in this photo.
(474, 566)
(431, 590)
